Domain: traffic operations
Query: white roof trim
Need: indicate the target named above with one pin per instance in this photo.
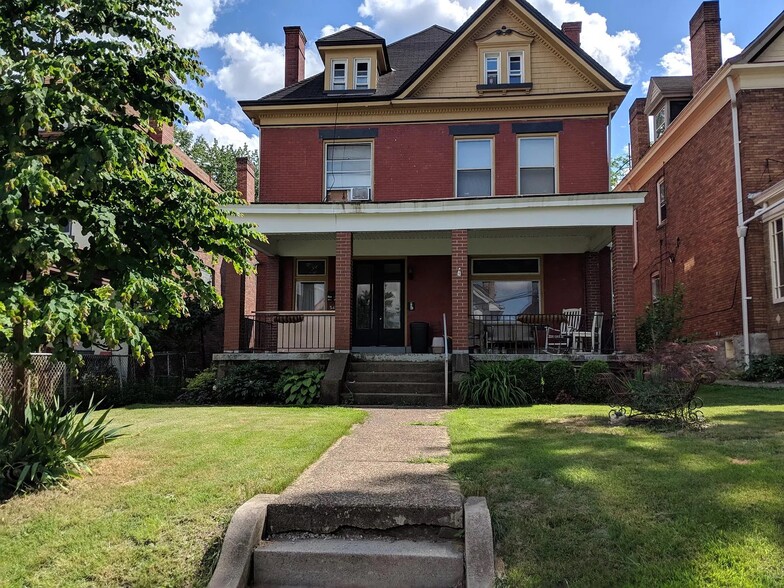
(581, 210)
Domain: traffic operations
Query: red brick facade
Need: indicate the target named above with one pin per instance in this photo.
(623, 289)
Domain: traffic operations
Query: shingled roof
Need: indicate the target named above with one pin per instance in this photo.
(350, 35)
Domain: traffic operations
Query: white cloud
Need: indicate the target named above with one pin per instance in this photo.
(193, 25)
(615, 51)
(330, 30)
(225, 134)
(644, 85)
(252, 70)
(678, 61)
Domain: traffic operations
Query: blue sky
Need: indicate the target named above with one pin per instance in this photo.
(241, 41)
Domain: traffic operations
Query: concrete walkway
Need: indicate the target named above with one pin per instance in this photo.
(389, 472)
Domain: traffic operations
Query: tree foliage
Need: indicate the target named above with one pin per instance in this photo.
(619, 167)
(82, 84)
(220, 161)
(662, 321)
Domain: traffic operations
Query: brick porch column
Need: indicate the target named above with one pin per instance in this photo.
(344, 253)
(623, 289)
(268, 289)
(593, 295)
(460, 302)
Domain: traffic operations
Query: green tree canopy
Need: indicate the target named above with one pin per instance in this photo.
(82, 83)
(220, 161)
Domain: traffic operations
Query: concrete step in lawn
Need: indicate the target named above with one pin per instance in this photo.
(376, 562)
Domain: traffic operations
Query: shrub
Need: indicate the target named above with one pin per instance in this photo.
(589, 387)
(300, 388)
(494, 384)
(250, 382)
(558, 376)
(765, 368)
(529, 376)
(662, 320)
(56, 444)
(200, 389)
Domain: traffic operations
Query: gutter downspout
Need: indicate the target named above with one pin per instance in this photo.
(742, 229)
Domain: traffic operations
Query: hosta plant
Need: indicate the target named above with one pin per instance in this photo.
(301, 388)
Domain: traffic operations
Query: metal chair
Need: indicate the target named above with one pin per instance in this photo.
(595, 334)
(562, 339)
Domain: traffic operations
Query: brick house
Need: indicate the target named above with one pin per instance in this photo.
(461, 174)
(715, 155)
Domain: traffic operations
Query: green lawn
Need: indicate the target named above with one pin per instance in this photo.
(155, 511)
(577, 503)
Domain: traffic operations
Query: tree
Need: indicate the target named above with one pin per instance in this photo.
(82, 84)
(619, 167)
(220, 161)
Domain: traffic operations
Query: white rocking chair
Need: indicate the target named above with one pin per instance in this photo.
(561, 340)
(595, 334)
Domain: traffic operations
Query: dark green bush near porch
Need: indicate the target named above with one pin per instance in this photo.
(493, 384)
(589, 388)
(249, 382)
(765, 368)
(529, 376)
(300, 388)
(559, 381)
(200, 389)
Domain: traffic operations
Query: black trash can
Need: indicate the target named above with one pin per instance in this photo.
(420, 335)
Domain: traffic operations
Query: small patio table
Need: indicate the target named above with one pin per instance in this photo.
(541, 321)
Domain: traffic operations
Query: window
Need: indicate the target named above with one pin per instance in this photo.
(338, 75)
(491, 68)
(208, 276)
(537, 165)
(661, 197)
(515, 68)
(777, 259)
(505, 286)
(311, 287)
(505, 266)
(362, 74)
(474, 167)
(349, 170)
(655, 287)
(660, 123)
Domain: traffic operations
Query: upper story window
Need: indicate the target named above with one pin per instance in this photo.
(777, 259)
(474, 167)
(362, 74)
(339, 75)
(661, 199)
(537, 164)
(492, 68)
(515, 67)
(349, 171)
(660, 123)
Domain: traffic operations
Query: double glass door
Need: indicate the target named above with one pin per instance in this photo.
(379, 303)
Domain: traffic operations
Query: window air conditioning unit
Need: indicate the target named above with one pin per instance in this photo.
(358, 194)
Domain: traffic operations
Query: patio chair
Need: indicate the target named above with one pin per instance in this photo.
(595, 334)
(562, 339)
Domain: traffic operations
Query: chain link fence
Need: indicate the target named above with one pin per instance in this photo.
(117, 379)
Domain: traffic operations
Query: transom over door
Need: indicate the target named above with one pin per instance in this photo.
(378, 303)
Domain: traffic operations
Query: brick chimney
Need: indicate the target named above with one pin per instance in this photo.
(638, 128)
(246, 179)
(573, 30)
(705, 31)
(295, 55)
(163, 135)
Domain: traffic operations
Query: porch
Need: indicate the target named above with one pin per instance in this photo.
(502, 271)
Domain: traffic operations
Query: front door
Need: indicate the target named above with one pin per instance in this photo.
(378, 303)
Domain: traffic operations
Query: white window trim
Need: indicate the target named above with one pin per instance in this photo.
(492, 164)
(509, 55)
(556, 149)
(324, 174)
(497, 56)
(332, 74)
(660, 186)
(777, 288)
(369, 76)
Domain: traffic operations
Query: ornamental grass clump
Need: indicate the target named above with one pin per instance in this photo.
(55, 444)
(494, 384)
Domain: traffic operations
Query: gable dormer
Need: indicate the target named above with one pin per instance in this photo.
(667, 97)
(353, 60)
(504, 60)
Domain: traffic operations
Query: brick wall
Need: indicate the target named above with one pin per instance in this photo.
(416, 161)
(429, 287)
(461, 304)
(593, 290)
(344, 247)
(623, 289)
(563, 282)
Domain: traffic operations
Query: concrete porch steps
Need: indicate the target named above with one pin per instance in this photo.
(394, 383)
(376, 562)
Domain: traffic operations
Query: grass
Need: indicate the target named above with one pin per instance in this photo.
(154, 512)
(577, 503)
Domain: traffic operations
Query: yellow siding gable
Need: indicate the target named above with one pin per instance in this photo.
(551, 72)
(773, 52)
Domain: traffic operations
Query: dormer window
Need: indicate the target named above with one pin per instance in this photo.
(339, 75)
(515, 67)
(491, 68)
(660, 123)
(362, 74)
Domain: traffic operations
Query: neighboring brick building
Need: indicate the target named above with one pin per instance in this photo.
(449, 173)
(687, 230)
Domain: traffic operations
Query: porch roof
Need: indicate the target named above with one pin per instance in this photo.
(514, 212)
